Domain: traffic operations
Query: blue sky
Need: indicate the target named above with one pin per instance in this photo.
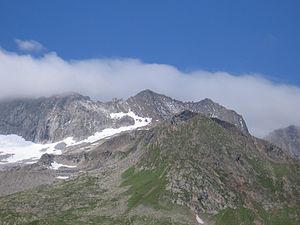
(236, 36)
(242, 54)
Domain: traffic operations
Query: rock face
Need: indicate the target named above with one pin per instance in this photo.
(157, 106)
(287, 138)
(55, 118)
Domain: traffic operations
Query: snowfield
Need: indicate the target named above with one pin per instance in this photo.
(17, 149)
(56, 166)
(62, 177)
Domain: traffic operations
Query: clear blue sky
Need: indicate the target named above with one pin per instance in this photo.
(237, 36)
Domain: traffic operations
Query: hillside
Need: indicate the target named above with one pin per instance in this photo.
(190, 169)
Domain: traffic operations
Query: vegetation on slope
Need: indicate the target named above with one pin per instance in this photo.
(286, 216)
(212, 169)
(85, 201)
(146, 187)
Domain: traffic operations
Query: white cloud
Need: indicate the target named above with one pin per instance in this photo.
(29, 45)
(264, 105)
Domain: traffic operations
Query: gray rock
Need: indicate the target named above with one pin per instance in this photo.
(46, 160)
(55, 118)
(287, 138)
(160, 107)
(72, 115)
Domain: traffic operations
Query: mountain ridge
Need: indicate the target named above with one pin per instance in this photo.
(60, 116)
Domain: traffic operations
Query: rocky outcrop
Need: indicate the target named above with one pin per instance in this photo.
(182, 117)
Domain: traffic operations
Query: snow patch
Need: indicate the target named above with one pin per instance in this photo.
(199, 220)
(213, 115)
(62, 177)
(117, 115)
(56, 166)
(241, 123)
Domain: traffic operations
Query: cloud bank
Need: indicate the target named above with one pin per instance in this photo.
(29, 45)
(264, 105)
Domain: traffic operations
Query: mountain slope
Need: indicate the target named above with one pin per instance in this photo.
(213, 165)
(188, 167)
(287, 138)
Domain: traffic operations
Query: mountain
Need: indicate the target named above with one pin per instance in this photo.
(187, 169)
(53, 119)
(150, 104)
(287, 138)
(149, 159)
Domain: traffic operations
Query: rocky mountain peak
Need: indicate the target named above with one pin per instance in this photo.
(150, 95)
